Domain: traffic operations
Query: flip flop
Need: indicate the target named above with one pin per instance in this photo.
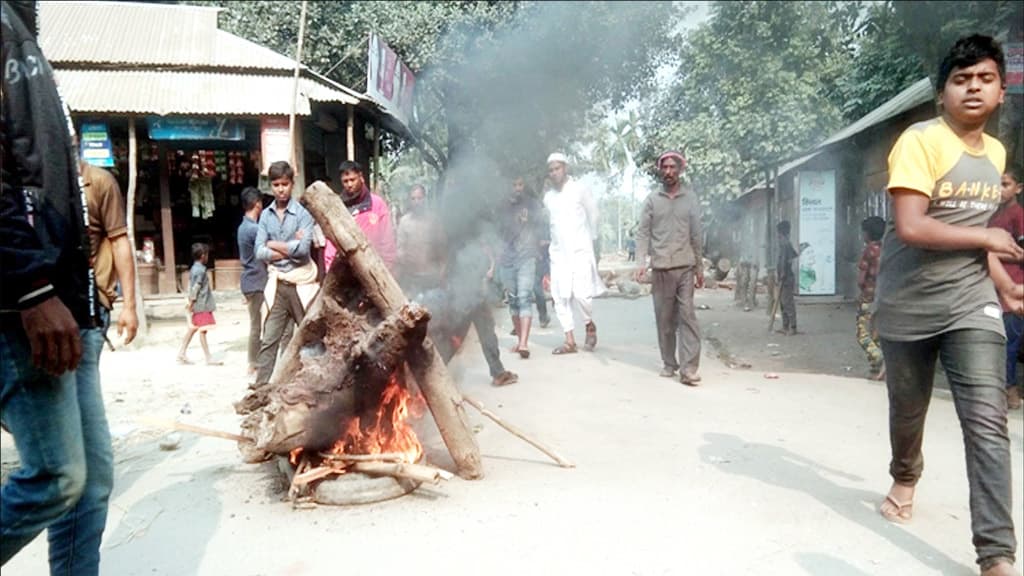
(523, 353)
(904, 510)
(565, 349)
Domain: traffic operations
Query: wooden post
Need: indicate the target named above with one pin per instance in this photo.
(350, 134)
(439, 391)
(133, 174)
(170, 280)
(294, 134)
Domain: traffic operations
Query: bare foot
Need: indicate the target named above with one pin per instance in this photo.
(183, 360)
(1002, 568)
(898, 505)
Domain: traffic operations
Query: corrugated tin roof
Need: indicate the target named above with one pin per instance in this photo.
(194, 93)
(146, 34)
(911, 97)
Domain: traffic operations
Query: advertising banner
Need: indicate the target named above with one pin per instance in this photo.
(1014, 67)
(194, 129)
(389, 81)
(275, 142)
(94, 142)
(817, 233)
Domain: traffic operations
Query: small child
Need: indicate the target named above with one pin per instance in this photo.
(872, 229)
(200, 304)
(1010, 217)
(787, 279)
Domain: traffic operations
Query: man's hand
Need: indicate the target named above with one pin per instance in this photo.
(1002, 244)
(128, 325)
(699, 283)
(640, 274)
(1012, 298)
(53, 335)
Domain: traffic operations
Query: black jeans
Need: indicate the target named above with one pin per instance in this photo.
(973, 361)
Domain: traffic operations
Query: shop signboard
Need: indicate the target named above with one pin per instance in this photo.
(94, 141)
(389, 81)
(194, 129)
(817, 275)
(1014, 67)
(275, 141)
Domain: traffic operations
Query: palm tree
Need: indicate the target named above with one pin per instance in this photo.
(613, 156)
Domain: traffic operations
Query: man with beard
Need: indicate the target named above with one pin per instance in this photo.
(370, 212)
(669, 231)
(574, 278)
(422, 247)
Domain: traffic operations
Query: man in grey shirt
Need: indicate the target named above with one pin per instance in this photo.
(283, 240)
(669, 231)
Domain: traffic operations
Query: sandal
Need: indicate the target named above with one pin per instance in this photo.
(523, 353)
(505, 378)
(904, 510)
(565, 349)
(591, 341)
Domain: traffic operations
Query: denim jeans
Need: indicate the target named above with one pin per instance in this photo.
(973, 361)
(67, 471)
(519, 280)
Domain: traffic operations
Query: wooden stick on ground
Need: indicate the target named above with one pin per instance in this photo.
(175, 425)
(417, 472)
(518, 433)
(386, 457)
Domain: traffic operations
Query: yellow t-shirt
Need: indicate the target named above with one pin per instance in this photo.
(921, 292)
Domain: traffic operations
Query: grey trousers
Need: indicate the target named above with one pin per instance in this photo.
(254, 303)
(973, 361)
(676, 318)
(787, 303)
(287, 309)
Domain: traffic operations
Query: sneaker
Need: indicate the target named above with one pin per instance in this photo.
(1013, 399)
(505, 378)
(667, 372)
(689, 379)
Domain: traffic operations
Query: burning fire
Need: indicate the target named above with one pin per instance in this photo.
(388, 430)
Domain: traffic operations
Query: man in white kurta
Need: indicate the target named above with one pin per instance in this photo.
(574, 278)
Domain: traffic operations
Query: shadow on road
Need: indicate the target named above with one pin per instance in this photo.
(780, 467)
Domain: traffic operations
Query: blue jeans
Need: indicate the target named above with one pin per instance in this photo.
(1014, 339)
(67, 464)
(519, 280)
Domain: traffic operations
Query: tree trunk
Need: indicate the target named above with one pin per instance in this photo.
(439, 391)
(133, 171)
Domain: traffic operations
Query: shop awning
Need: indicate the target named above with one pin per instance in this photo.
(190, 93)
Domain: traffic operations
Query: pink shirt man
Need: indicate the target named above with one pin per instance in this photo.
(374, 218)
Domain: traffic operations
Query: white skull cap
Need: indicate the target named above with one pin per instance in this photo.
(558, 157)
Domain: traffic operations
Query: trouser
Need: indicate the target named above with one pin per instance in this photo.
(563, 309)
(520, 281)
(676, 318)
(1014, 340)
(482, 320)
(972, 360)
(787, 290)
(67, 466)
(254, 302)
(287, 308)
(539, 297)
(866, 336)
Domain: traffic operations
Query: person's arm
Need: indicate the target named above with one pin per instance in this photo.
(1011, 294)
(643, 238)
(26, 266)
(264, 252)
(124, 264)
(1016, 230)
(916, 228)
(590, 208)
(696, 239)
(299, 247)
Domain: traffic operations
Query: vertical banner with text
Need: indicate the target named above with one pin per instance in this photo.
(389, 81)
(817, 233)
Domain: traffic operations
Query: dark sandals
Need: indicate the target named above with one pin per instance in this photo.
(565, 348)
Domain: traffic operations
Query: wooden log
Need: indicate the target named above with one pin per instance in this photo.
(436, 385)
(202, 431)
(518, 433)
(386, 457)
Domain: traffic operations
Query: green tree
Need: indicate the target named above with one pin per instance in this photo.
(757, 83)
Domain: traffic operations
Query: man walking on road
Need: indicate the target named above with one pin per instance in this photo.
(521, 238)
(50, 398)
(574, 278)
(669, 231)
(422, 247)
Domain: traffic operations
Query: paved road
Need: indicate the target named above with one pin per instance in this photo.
(744, 475)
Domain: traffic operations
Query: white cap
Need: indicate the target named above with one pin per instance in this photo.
(558, 157)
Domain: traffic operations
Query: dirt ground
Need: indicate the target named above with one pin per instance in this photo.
(744, 475)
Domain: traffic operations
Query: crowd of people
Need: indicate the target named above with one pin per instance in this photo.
(941, 281)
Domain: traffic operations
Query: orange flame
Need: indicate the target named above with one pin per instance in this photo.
(389, 431)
